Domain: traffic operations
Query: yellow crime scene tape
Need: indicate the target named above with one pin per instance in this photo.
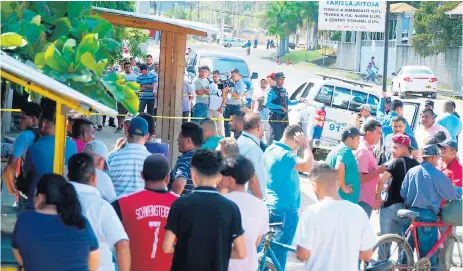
(193, 118)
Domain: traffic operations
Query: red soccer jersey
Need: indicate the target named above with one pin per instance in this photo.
(144, 216)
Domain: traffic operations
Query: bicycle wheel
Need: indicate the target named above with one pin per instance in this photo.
(451, 241)
(269, 266)
(390, 247)
(379, 81)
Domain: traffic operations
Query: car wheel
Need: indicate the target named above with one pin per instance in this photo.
(394, 93)
(401, 93)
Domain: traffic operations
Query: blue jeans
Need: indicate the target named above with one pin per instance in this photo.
(390, 222)
(199, 111)
(149, 104)
(367, 208)
(427, 236)
(286, 236)
(372, 74)
(230, 109)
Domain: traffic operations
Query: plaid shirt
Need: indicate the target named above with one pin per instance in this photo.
(183, 169)
(125, 166)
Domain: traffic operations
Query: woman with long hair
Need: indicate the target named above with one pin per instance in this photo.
(55, 236)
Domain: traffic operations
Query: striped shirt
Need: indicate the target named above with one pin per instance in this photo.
(150, 78)
(125, 166)
(182, 169)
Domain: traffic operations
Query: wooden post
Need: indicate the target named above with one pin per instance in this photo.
(161, 84)
(177, 94)
(167, 86)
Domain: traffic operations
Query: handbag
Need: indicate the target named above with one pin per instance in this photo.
(451, 213)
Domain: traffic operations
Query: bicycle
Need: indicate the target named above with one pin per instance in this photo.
(269, 262)
(402, 245)
(369, 77)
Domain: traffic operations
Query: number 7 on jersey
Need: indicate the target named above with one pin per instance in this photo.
(156, 225)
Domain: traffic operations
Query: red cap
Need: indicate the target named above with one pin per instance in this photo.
(272, 75)
(401, 139)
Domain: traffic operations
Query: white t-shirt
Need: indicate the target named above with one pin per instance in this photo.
(254, 217)
(105, 186)
(334, 231)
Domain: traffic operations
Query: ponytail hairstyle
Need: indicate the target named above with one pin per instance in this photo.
(62, 194)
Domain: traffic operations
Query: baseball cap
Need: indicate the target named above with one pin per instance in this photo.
(430, 150)
(155, 167)
(138, 126)
(271, 76)
(279, 75)
(388, 100)
(451, 143)
(366, 107)
(98, 148)
(402, 139)
(429, 103)
(351, 131)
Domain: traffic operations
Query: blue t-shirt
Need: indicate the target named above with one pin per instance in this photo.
(39, 160)
(46, 243)
(239, 88)
(283, 187)
(450, 122)
(150, 78)
(22, 142)
(155, 147)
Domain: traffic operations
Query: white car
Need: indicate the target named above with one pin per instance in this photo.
(234, 42)
(301, 45)
(414, 80)
(342, 99)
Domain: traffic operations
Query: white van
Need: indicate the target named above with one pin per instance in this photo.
(342, 99)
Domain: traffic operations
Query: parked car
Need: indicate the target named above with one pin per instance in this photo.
(221, 62)
(234, 42)
(342, 99)
(414, 80)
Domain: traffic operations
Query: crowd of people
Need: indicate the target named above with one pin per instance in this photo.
(129, 209)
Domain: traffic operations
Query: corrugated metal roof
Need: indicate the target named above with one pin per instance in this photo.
(458, 10)
(402, 8)
(206, 28)
(25, 72)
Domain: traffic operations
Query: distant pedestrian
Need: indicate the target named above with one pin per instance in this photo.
(54, 235)
(234, 99)
(333, 234)
(130, 76)
(189, 140)
(104, 184)
(449, 121)
(202, 88)
(204, 229)
(237, 171)
(145, 212)
(217, 102)
(342, 159)
(102, 217)
(126, 164)
(146, 95)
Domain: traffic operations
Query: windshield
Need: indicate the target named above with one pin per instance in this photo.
(225, 65)
(418, 71)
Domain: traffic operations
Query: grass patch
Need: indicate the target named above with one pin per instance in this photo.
(296, 56)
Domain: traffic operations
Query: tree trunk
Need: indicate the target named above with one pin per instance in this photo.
(315, 35)
(308, 36)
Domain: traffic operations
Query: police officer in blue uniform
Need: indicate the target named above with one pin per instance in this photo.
(277, 102)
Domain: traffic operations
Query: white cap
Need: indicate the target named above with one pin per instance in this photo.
(366, 107)
(98, 148)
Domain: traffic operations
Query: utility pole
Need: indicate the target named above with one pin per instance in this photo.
(386, 45)
(191, 10)
(222, 22)
(199, 4)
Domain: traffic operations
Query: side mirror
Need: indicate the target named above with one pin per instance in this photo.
(191, 69)
(394, 74)
(254, 75)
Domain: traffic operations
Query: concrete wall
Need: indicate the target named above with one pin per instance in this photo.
(446, 66)
(345, 56)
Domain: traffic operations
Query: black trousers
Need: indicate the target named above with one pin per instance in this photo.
(278, 122)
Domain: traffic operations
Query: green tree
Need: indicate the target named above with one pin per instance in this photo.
(435, 31)
(133, 36)
(281, 21)
(68, 43)
(177, 13)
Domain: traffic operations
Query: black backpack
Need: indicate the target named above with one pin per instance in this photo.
(24, 180)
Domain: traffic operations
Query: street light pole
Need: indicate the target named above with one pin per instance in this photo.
(386, 45)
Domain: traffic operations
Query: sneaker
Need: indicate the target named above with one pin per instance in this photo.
(100, 128)
(112, 125)
(118, 130)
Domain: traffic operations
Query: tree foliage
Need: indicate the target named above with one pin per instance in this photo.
(65, 41)
(133, 36)
(435, 30)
